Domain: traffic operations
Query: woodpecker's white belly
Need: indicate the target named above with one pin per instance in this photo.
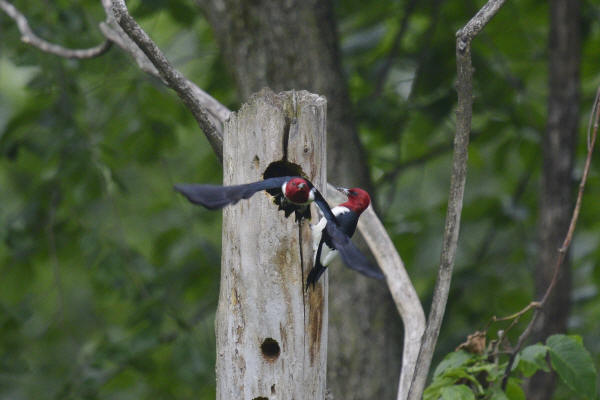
(327, 253)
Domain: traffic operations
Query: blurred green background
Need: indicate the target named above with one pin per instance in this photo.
(109, 281)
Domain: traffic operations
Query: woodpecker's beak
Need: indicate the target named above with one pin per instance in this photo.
(300, 186)
(343, 190)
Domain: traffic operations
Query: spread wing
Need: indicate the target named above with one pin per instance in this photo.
(350, 254)
(216, 196)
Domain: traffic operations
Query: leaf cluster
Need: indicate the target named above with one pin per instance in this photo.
(462, 375)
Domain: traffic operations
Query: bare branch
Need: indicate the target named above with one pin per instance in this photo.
(595, 115)
(186, 91)
(29, 37)
(457, 188)
(476, 24)
(401, 288)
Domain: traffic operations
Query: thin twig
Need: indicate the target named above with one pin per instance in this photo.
(595, 115)
(29, 37)
(176, 81)
(457, 188)
(533, 304)
(514, 318)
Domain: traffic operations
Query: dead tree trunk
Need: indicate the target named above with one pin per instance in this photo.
(271, 336)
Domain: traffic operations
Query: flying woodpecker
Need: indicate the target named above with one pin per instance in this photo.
(291, 194)
(327, 242)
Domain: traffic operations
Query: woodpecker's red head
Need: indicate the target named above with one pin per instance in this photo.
(358, 199)
(297, 190)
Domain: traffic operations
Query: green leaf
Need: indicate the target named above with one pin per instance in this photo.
(460, 373)
(498, 394)
(573, 364)
(492, 371)
(433, 391)
(452, 360)
(457, 392)
(514, 390)
(533, 358)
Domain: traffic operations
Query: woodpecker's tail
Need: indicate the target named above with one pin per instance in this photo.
(316, 272)
(314, 275)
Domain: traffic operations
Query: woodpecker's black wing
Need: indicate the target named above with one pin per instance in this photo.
(323, 206)
(351, 255)
(216, 196)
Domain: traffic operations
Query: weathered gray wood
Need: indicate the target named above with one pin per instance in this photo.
(262, 268)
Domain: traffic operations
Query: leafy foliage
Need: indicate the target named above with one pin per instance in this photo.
(533, 358)
(464, 375)
(573, 364)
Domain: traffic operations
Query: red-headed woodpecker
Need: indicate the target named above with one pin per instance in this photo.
(291, 193)
(327, 241)
(296, 196)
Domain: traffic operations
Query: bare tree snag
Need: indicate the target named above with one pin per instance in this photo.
(271, 336)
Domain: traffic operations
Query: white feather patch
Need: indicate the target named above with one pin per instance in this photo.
(327, 253)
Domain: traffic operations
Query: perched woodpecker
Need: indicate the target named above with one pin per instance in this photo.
(291, 194)
(327, 242)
